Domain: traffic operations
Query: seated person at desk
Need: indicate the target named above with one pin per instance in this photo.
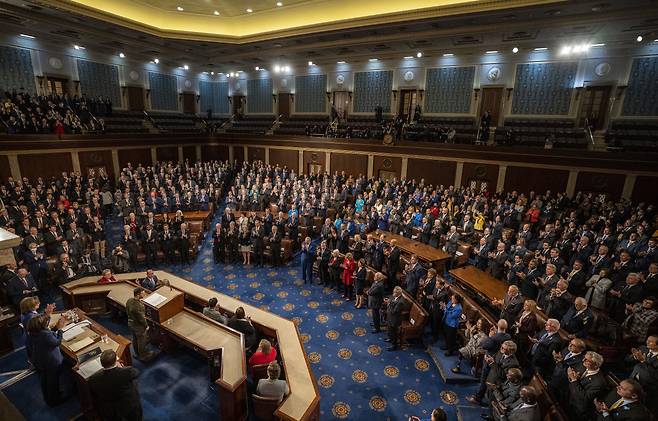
(151, 281)
(265, 354)
(242, 324)
(114, 390)
(273, 387)
(43, 344)
(107, 277)
(213, 311)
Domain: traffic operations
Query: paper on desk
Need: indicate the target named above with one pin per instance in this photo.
(155, 299)
(72, 333)
(88, 368)
(77, 346)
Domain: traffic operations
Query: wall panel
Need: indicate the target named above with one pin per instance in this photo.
(611, 184)
(317, 158)
(213, 96)
(372, 89)
(434, 172)
(310, 94)
(285, 158)
(5, 171)
(214, 152)
(94, 159)
(45, 165)
(169, 153)
(134, 156)
(256, 154)
(385, 163)
(352, 164)
(449, 90)
(259, 96)
(238, 154)
(641, 97)
(163, 94)
(645, 190)
(480, 172)
(526, 179)
(544, 88)
(16, 72)
(100, 80)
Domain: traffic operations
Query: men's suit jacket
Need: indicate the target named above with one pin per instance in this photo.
(582, 393)
(542, 354)
(511, 308)
(376, 294)
(394, 311)
(115, 394)
(517, 413)
(497, 373)
(634, 411)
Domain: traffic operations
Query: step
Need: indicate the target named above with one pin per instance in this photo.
(444, 364)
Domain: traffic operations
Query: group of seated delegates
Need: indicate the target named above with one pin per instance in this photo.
(62, 221)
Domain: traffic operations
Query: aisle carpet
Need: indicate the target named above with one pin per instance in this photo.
(358, 379)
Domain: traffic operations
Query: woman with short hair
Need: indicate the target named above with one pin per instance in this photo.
(265, 354)
(272, 386)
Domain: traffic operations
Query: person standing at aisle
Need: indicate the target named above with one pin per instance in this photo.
(394, 318)
(138, 324)
(349, 267)
(275, 246)
(375, 300)
(307, 255)
(324, 254)
(257, 240)
(43, 344)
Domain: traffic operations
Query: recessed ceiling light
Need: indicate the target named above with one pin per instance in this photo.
(186, 67)
(448, 55)
(600, 44)
(180, 9)
(216, 13)
(419, 54)
(279, 4)
(156, 60)
(405, 57)
(639, 38)
(249, 10)
(310, 63)
(491, 52)
(341, 62)
(212, 73)
(256, 68)
(122, 55)
(515, 50)
(541, 48)
(286, 68)
(231, 74)
(27, 36)
(565, 50)
(374, 59)
(78, 47)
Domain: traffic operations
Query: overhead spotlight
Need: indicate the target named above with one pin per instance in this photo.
(186, 67)
(78, 47)
(212, 73)
(286, 69)
(419, 54)
(448, 54)
(156, 60)
(121, 55)
(541, 48)
(27, 36)
(231, 74)
(565, 50)
(277, 69)
(491, 52)
(279, 4)
(216, 13)
(515, 50)
(639, 38)
(180, 9)
(310, 63)
(256, 68)
(341, 62)
(249, 10)
(374, 59)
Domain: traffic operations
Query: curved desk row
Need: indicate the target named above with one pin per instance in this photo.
(303, 402)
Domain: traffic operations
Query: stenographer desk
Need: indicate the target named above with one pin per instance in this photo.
(436, 258)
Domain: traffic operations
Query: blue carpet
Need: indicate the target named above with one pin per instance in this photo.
(357, 377)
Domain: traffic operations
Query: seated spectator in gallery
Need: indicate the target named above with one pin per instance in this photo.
(213, 311)
(272, 386)
(243, 324)
(265, 354)
(107, 278)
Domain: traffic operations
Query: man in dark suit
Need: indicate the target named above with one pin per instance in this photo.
(168, 241)
(570, 357)
(393, 263)
(52, 239)
(624, 403)
(414, 274)
(586, 386)
(544, 344)
(495, 372)
(150, 238)
(114, 390)
(530, 280)
(376, 299)
(497, 335)
(577, 319)
(258, 241)
(183, 237)
(497, 261)
(394, 318)
(150, 281)
(511, 305)
(242, 324)
(645, 370)
(524, 409)
(577, 279)
(324, 255)
(21, 286)
(307, 256)
(275, 246)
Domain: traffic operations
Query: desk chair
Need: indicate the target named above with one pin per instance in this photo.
(264, 407)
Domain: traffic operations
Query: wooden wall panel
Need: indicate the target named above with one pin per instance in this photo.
(189, 153)
(611, 184)
(169, 153)
(645, 190)
(385, 163)
(214, 152)
(434, 172)
(93, 159)
(256, 154)
(352, 164)
(317, 158)
(134, 156)
(285, 158)
(5, 171)
(45, 165)
(526, 179)
(238, 154)
(480, 172)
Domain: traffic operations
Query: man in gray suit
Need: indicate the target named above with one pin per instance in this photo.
(524, 409)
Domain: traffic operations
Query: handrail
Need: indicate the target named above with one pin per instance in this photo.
(149, 118)
(588, 131)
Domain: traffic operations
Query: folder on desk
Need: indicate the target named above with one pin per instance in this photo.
(90, 367)
(77, 346)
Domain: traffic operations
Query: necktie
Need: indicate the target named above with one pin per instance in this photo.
(617, 404)
(24, 281)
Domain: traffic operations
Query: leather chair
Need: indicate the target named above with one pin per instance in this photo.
(258, 372)
(264, 407)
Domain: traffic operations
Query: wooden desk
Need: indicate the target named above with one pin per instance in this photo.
(436, 258)
(95, 331)
(203, 216)
(303, 402)
(480, 283)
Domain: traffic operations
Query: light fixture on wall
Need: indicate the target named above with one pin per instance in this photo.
(310, 63)
(515, 50)
(408, 57)
(156, 60)
(372, 60)
(491, 52)
(179, 8)
(448, 55)
(639, 38)
(540, 49)
(419, 54)
(216, 13)
(122, 55)
(186, 67)
(79, 47)
(341, 62)
(27, 36)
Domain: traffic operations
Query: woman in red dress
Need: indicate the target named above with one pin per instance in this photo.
(349, 266)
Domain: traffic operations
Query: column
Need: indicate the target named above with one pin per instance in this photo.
(154, 155)
(197, 149)
(115, 162)
(231, 155)
(300, 155)
(458, 174)
(14, 167)
(75, 160)
(327, 162)
(403, 170)
(246, 153)
(629, 184)
(500, 184)
(371, 164)
(571, 183)
(267, 156)
(181, 157)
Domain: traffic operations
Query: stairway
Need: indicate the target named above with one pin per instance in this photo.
(599, 141)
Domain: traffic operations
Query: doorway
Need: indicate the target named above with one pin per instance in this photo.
(491, 101)
(314, 169)
(595, 106)
(238, 107)
(284, 106)
(189, 104)
(135, 98)
(408, 98)
(386, 175)
(342, 103)
(56, 85)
